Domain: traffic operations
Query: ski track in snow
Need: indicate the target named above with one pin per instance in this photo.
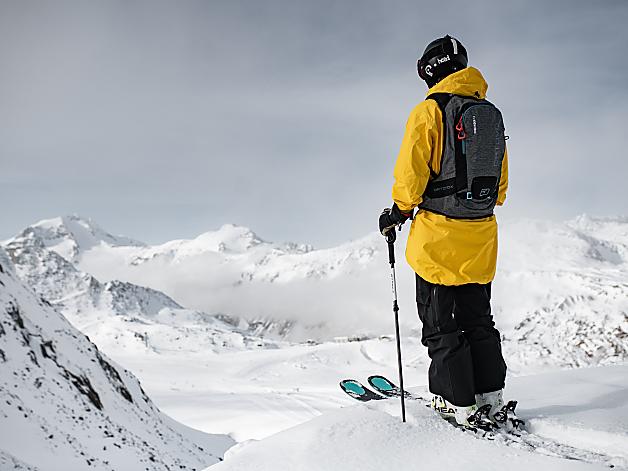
(560, 441)
(536, 442)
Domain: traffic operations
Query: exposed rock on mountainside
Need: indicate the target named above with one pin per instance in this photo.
(59, 394)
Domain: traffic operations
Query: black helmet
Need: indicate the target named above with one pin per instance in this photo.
(442, 57)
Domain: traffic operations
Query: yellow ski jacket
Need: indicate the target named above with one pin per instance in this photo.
(442, 250)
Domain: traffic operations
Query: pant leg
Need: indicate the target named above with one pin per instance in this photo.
(451, 369)
(472, 311)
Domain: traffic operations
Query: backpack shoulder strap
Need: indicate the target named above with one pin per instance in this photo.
(439, 189)
(441, 99)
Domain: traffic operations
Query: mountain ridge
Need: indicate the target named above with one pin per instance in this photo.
(569, 277)
(79, 408)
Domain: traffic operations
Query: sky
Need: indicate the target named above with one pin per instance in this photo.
(163, 119)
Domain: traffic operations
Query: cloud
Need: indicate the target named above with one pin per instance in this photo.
(163, 119)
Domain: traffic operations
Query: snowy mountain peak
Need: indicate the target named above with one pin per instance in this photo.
(72, 235)
(565, 277)
(229, 238)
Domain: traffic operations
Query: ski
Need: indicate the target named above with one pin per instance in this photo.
(511, 429)
(358, 391)
(383, 388)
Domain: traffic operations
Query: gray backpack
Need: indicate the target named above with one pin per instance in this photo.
(471, 164)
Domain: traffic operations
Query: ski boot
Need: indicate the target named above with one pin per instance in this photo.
(495, 399)
(440, 405)
(502, 414)
(467, 417)
(507, 417)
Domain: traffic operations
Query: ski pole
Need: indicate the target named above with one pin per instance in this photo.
(391, 236)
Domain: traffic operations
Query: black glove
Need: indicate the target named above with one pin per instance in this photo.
(392, 217)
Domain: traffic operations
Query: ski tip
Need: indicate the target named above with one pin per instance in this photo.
(358, 391)
(381, 383)
(352, 386)
(386, 387)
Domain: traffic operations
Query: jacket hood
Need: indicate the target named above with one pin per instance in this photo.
(468, 82)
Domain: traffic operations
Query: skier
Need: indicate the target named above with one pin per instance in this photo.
(453, 167)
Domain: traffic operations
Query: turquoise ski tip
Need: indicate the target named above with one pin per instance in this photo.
(382, 384)
(354, 387)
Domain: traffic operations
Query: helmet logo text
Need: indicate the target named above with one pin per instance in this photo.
(440, 60)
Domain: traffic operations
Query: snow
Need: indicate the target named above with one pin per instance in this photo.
(372, 437)
(250, 394)
(234, 335)
(560, 297)
(257, 394)
(71, 235)
(585, 408)
(118, 314)
(62, 397)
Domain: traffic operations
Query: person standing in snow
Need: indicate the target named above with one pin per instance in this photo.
(453, 167)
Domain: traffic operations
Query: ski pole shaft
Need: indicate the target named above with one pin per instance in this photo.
(391, 258)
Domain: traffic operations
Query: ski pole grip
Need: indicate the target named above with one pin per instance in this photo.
(391, 252)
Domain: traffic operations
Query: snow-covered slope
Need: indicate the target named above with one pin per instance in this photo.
(578, 423)
(560, 296)
(72, 235)
(560, 299)
(60, 396)
(282, 289)
(114, 314)
(562, 291)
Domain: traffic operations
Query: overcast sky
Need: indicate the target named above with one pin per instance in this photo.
(164, 119)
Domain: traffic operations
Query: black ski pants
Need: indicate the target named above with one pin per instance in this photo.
(461, 340)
